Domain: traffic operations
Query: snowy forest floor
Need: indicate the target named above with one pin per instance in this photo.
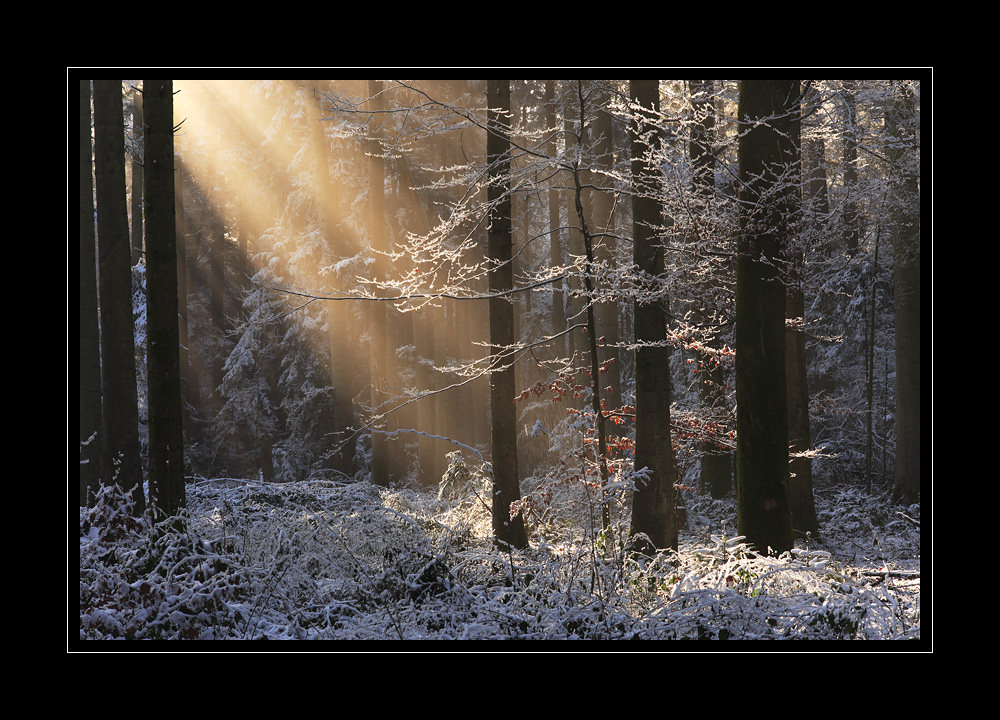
(325, 560)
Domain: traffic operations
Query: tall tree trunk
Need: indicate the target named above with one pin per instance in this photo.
(166, 436)
(91, 434)
(814, 198)
(716, 464)
(573, 237)
(582, 205)
(401, 341)
(377, 311)
(188, 400)
(870, 369)
(121, 462)
(216, 247)
(342, 406)
(506, 481)
(138, 135)
(766, 154)
(602, 222)
(901, 128)
(852, 232)
(555, 232)
(653, 503)
(192, 362)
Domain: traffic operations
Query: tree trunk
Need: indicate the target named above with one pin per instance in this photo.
(799, 436)
(766, 155)
(138, 135)
(905, 218)
(555, 233)
(583, 207)
(338, 325)
(91, 435)
(716, 464)
(188, 399)
(121, 462)
(166, 435)
(653, 502)
(851, 232)
(506, 482)
(602, 222)
(573, 237)
(377, 310)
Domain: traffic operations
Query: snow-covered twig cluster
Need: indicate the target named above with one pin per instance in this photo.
(320, 560)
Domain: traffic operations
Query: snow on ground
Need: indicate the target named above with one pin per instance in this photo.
(322, 560)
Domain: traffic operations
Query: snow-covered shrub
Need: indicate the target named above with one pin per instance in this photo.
(329, 560)
(145, 580)
(725, 591)
(458, 480)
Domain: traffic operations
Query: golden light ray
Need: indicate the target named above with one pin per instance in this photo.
(253, 149)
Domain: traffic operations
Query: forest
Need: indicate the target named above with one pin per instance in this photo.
(499, 359)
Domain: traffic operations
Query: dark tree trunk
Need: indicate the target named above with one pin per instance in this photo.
(766, 157)
(138, 135)
(653, 502)
(166, 435)
(905, 217)
(814, 198)
(602, 212)
(583, 206)
(121, 462)
(506, 482)
(188, 400)
(91, 435)
(555, 233)
(716, 463)
(377, 312)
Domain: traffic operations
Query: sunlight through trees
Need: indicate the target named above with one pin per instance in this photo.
(608, 296)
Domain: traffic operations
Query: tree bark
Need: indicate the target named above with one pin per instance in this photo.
(766, 155)
(377, 311)
(601, 222)
(121, 462)
(716, 464)
(555, 232)
(506, 482)
(814, 197)
(166, 435)
(338, 325)
(583, 205)
(852, 231)
(905, 218)
(91, 434)
(137, 179)
(653, 518)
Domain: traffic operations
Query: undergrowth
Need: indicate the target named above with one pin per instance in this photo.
(322, 560)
